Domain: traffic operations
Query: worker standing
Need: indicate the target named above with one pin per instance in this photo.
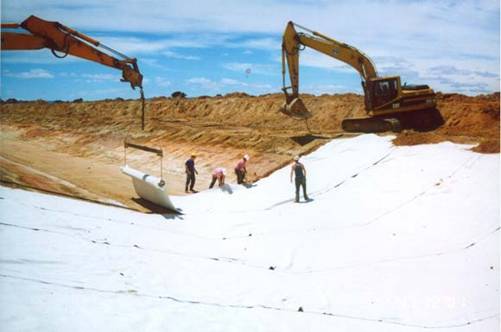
(219, 175)
(190, 173)
(300, 178)
(241, 170)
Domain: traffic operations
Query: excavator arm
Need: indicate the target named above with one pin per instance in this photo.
(39, 34)
(294, 41)
(59, 38)
(387, 103)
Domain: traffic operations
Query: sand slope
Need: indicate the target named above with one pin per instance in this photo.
(82, 143)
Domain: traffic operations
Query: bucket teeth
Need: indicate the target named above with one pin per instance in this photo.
(296, 108)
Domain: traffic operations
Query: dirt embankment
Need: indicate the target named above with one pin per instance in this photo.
(80, 145)
(467, 120)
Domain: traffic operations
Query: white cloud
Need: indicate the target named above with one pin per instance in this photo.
(423, 33)
(205, 84)
(152, 62)
(311, 58)
(99, 77)
(176, 55)
(198, 80)
(443, 72)
(447, 75)
(230, 81)
(273, 44)
(466, 26)
(258, 16)
(69, 75)
(165, 46)
(32, 73)
(162, 82)
(212, 85)
(90, 78)
(134, 45)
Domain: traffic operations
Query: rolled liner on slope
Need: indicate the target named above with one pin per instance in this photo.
(149, 187)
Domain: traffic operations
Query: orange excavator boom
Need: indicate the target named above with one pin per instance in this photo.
(39, 34)
(59, 38)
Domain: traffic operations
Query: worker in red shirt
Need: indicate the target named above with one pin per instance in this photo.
(240, 169)
(218, 175)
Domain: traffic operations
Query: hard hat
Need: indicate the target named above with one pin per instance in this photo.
(296, 158)
(246, 157)
(193, 154)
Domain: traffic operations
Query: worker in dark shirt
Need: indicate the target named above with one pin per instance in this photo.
(300, 178)
(190, 173)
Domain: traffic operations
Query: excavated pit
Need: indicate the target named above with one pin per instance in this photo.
(76, 149)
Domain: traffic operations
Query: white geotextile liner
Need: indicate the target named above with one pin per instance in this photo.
(394, 239)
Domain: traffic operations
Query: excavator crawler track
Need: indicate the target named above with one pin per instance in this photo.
(371, 125)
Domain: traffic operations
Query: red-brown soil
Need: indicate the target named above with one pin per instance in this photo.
(467, 120)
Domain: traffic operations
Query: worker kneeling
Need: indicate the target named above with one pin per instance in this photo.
(218, 175)
(300, 178)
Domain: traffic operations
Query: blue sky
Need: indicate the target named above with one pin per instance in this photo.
(206, 48)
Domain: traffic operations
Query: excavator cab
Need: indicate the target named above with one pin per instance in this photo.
(381, 91)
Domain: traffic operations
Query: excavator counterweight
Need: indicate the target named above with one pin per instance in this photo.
(386, 100)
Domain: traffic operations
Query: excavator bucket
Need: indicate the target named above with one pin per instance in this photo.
(296, 108)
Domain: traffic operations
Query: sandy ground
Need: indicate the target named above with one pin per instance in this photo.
(30, 163)
(76, 149)
(36, 164)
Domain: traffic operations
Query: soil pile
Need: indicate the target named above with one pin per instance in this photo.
(466, 120)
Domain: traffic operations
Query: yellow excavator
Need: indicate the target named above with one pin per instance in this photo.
(386, 100)
(36, 33)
